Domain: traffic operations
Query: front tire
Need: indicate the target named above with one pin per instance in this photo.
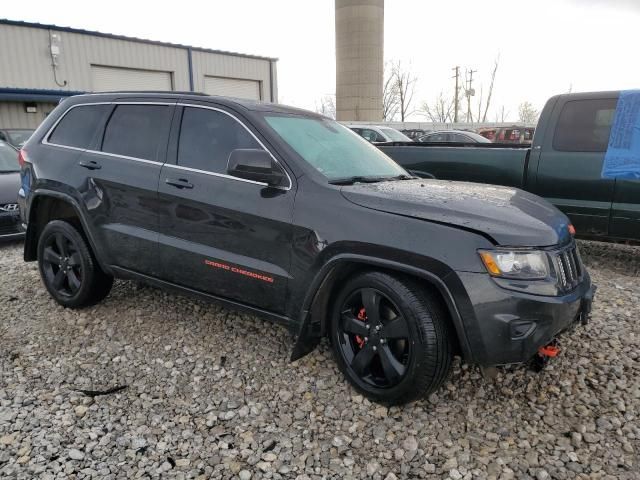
(68, 269)
(391, 337)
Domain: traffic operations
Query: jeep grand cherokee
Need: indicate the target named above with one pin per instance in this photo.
(291, 216)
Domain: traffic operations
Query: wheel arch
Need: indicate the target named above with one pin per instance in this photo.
(47, 205)
(315, 308)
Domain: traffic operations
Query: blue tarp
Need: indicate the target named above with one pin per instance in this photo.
(622, 159)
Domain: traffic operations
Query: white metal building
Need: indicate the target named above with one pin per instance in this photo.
(39, 64)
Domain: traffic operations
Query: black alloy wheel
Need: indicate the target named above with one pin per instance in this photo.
(391, 337)
(68, 268)
(61, 265)
(375, 338)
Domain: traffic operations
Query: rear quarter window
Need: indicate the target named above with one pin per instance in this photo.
(79, 125)
(585, 125)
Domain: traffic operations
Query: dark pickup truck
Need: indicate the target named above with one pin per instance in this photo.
(564, 165)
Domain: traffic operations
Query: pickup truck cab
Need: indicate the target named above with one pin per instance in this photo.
(563, 165)
(293, 217)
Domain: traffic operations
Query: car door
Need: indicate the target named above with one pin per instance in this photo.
(121, 187)
(570, 163)
(220, 234)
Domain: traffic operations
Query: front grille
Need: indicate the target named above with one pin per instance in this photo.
(568, 267)
(9, 229)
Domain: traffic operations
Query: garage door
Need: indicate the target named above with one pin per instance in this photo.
(232, 87)
(106, 79)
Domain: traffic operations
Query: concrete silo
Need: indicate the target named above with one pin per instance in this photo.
(359, 59)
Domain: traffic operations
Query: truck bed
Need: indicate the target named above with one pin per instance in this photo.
(499, 164)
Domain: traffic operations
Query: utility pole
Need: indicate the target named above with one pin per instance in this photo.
(470, 93)
(456, 106)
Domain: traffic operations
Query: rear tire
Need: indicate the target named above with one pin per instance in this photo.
(68, 268)
(399, 354)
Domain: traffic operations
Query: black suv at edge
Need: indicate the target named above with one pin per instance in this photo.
(291, 216)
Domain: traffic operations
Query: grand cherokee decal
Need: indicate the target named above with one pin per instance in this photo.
(239, 271)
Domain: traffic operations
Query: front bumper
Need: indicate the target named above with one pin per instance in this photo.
(10, 227)
(504, 326)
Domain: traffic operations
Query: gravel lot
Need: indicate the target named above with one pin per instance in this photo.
(210, 394)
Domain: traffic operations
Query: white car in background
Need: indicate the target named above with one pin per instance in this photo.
(379, 134)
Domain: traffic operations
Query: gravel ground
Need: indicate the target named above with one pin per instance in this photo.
(210, 394)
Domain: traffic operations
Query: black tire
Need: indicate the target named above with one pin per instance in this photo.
(68, 268)
(400, 361)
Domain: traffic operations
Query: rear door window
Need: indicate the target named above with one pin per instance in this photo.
(138, 131)
(79, 125)
(207, 138)
(585, 125)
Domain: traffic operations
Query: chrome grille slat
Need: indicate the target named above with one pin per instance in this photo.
(568, 268)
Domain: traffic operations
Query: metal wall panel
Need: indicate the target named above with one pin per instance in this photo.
(232, 87)
(207, 64)
(13, 115)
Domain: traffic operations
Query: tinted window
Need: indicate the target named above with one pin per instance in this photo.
(207, 138)
(78, 127)
(584, 125)
(138, 131)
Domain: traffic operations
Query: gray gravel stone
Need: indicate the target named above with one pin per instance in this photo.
(210, 393)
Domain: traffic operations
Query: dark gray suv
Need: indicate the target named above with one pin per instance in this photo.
(292, 216)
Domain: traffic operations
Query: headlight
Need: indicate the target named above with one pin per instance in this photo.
(523, 265)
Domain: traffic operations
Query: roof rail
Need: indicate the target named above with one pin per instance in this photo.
(160, 92)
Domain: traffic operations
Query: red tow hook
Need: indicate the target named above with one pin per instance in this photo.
(539, 361)
(550, 351)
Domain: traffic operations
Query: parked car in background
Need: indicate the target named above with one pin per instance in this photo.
(379, 134)
(452, 136)
(9, 185)
(514, 134)
(310, 226)
(415, 133)
(15, 136)
(564, 164)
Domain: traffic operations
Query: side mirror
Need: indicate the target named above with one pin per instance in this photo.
(256, 165)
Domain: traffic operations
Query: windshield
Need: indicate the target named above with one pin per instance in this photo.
(19, 137)
(332, 149)
(8, 159)
(395, 135)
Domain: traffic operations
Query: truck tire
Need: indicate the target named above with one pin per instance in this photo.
(68, 268)
(391, 337)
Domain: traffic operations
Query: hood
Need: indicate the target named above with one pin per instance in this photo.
(511, 217)
(9, 186)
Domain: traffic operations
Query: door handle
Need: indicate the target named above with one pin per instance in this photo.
(91, 165)
(178, 183)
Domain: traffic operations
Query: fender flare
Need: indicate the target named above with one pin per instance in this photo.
(311, 331)
(43, 192)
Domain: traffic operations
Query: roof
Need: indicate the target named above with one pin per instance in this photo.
(19, 23)
(253, 105)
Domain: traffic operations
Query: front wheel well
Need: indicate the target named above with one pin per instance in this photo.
(43, 210)
(334, 281)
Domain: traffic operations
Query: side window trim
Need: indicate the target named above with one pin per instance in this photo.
(222, 175)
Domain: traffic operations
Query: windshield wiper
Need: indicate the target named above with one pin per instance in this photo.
(356, 179)
(402, 176)
(9, 171)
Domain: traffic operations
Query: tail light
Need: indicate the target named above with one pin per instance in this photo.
(22, 158)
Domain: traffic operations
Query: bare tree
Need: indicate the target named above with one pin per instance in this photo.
(490, 92)
(404, 83)
(502, 115)
(389, 95)
(527, 113)
(441, 110)
(482, 103)
(327, 106)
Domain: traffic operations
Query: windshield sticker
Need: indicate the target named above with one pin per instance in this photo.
(622, 159)
(239, 271)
